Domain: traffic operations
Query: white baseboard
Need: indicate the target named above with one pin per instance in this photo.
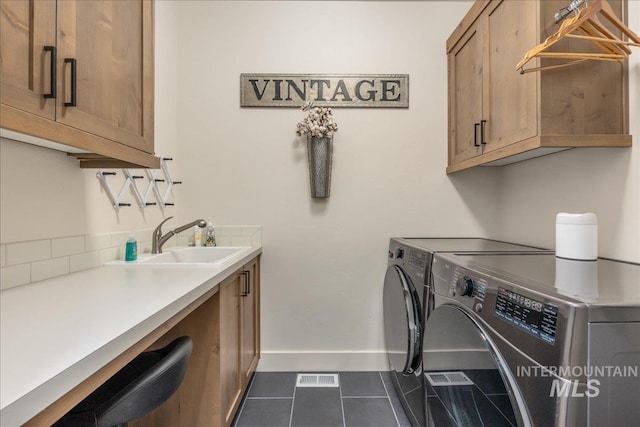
(289, 361)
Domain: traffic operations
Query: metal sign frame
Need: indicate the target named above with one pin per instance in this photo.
(325, 90)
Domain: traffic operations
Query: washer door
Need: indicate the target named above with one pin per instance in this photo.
(467, 381)
(402, 321)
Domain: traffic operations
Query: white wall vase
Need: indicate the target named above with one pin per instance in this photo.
(320, 152)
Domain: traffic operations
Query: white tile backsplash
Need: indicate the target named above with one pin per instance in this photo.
(84, 261)
(223, 240)
(120, 239)
(228, 231)
(67, 246)
(25, 262)
(97, 241)
(50, 268)
(15, 275)
(24, 252)
(241, 241)
(111, 254)
(143, 235)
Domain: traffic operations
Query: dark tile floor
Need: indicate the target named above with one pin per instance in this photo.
(368, 399)
(485, 403)
(364, 399)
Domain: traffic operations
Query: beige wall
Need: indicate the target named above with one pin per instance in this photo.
(603, 181)
(324, 261)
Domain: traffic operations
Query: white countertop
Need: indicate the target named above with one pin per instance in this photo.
(56, 333)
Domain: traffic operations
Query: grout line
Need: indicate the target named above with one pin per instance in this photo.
(437, 396)
(389, 399)
(365, 397)
(344, 422)
(269, 398)
(244, 401)
(412, 390)
(293, 400)
(486, 396)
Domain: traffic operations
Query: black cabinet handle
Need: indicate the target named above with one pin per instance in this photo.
(244, 292)
(73, 62)
(482, 126)
(475, 134)
(248, 281)
(52, 72)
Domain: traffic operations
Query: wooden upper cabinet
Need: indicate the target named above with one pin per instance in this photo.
(104, 60)
(112, 44)
(465, 96)
(508, 118)
(25, 66)
(498, 115)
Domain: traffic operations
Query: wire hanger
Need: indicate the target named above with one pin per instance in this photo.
(588, 26)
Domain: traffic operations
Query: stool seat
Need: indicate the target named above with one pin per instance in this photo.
(137, 389)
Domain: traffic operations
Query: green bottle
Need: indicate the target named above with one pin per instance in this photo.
(131, 249)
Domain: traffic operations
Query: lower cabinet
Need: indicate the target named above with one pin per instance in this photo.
(226, 336)
(231, 375)
(239, 336)
(250, 307)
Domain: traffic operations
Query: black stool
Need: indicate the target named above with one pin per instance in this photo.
(134, 391)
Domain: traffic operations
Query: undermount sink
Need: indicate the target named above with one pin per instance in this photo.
(191, 256)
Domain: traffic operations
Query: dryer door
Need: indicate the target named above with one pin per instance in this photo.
(402, 321)
(467, 381)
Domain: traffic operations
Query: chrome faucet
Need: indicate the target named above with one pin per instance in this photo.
(158, 239)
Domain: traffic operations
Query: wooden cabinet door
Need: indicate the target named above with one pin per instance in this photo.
(112, 44)
(26, 27)
(230, 346)
(510, 98)
(251, 321)
(466, 76)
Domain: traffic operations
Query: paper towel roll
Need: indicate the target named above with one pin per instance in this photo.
(577, 236)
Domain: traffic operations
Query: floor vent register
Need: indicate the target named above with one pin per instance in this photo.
(439, 379)
(317, 380)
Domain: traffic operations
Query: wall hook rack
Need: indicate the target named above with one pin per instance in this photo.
(133, 181)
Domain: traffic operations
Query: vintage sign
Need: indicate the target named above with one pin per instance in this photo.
(327, 90)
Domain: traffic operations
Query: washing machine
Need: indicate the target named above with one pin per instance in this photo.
(532, 340)
(406, 296)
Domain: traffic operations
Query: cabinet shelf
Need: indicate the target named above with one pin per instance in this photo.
(91, 150)
(539, 146)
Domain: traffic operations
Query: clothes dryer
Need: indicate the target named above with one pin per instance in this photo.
(532, 340)
(406, 290)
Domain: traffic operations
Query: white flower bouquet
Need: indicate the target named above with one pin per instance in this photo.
(319, 121)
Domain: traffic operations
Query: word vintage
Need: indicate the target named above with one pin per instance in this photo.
(325, 90)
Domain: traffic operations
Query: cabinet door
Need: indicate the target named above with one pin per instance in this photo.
(465, 96)
(26, 27)
(112, 44)
(230, 346)
(510, 98)
(251, 320)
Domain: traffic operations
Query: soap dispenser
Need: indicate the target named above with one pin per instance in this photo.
(131, 249)
(197, 236)
(211, 234)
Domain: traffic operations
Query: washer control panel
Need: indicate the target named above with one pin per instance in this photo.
(468, 289)
(535, 317)
(524, 312)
